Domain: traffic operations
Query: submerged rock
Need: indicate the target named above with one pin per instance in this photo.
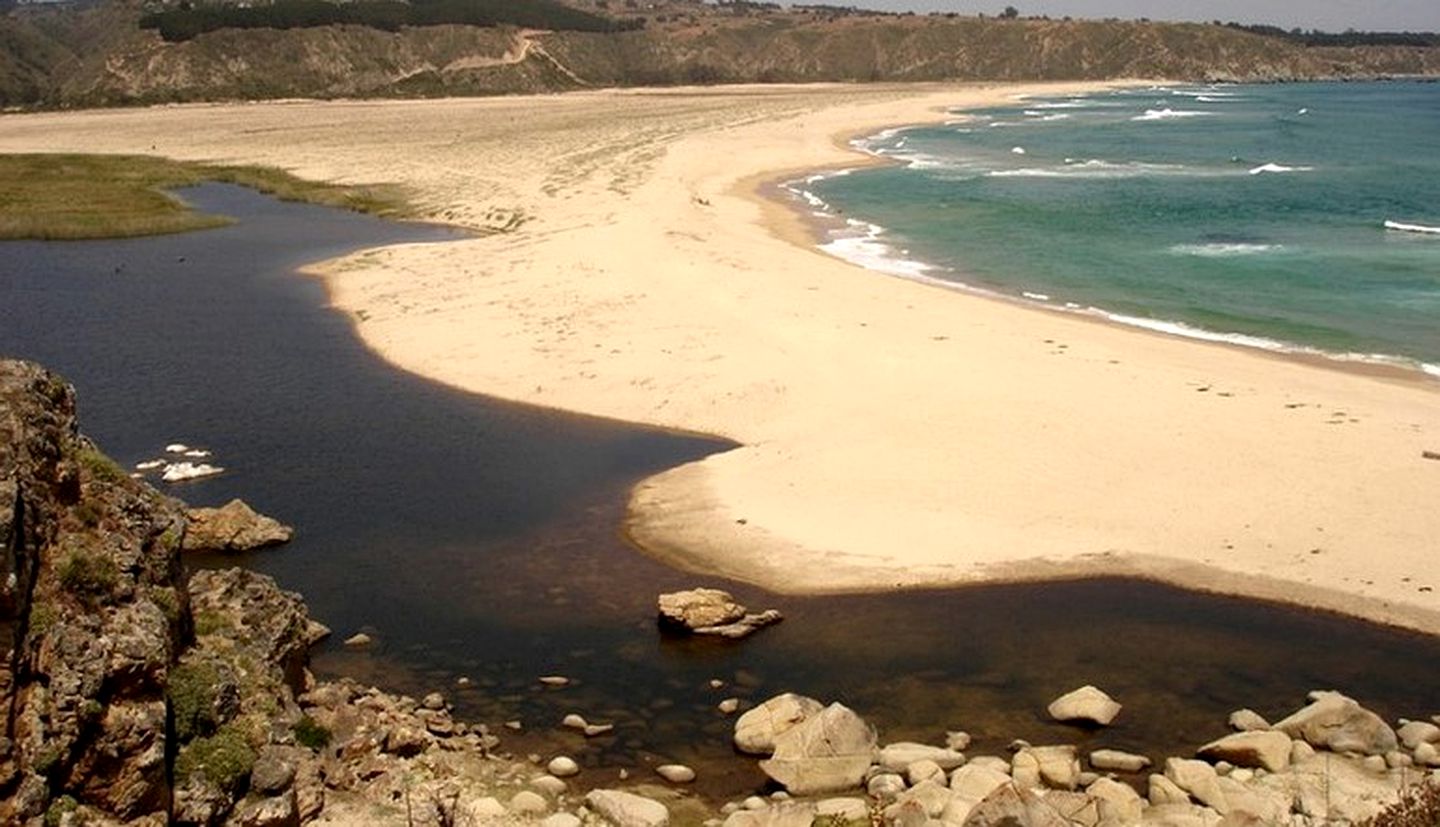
(234, 526)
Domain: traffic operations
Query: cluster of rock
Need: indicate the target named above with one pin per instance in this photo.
(711, 612)
(1331, 762)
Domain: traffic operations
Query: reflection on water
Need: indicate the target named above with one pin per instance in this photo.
(480, 539)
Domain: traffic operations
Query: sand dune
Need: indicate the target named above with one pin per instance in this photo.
(893, 433)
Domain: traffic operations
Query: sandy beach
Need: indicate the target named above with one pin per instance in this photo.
(893, 433)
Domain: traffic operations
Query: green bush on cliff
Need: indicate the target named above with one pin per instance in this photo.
(100, 466)
(87, 573)
(225, 759)
(192, 694)
(59, 808)
(310, 734)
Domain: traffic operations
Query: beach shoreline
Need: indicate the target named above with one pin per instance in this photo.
(893, 435)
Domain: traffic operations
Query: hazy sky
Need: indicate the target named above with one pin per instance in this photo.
(1331, 15)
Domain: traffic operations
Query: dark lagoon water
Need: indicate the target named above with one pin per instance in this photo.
(479, 538)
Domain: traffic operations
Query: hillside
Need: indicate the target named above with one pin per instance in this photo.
(98, 55)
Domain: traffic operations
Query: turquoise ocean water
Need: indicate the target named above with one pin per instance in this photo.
(1253, 214)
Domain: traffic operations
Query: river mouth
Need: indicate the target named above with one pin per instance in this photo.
(479, 539)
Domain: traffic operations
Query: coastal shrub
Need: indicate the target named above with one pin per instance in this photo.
(100, 466)
(87, 573)
(191, 693)
(187, 22)
(59, 808)
(1417, 807)
(310, 734)
(225, 759)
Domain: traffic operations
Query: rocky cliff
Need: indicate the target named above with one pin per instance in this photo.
(98, 55)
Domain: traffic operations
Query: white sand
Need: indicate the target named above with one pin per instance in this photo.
(894, 433)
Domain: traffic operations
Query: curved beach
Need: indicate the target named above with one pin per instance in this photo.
(893, 433)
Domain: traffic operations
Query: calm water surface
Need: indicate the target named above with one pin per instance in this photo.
(478, 538)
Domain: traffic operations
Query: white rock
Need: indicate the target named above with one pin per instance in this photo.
(574, 721)
(1165, 791)
(1396, 759)
(885, 786)
(1337, 723)
(1119, 803)
(1262, 748)
(1085, 705)
(828, 752)
(563, 766)
(1199, 779)
(957, 740)
(754, 802)
(555, 680)
(1428, 755)
(969, 785)
(1116, 761)
(623, 809)
(1051, 766)
(931, 796)
(898, 756)
(728, 706)
(1179, 814)
(594, 730)
(196, 453)
(757, 730)
(924, 770)
(549, 785)
(526, 802)
(560, 820)
(675, 773)
(358, 639)
(176, 448)
(1247, 720)
(1413, 733)
(485, 808)
(993, 762)
(149, 465)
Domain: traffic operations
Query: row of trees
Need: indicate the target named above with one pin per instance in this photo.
(1351, 37)
(187, 21)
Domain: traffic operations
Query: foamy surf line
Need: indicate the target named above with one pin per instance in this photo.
(1411, 228)
(865, 247)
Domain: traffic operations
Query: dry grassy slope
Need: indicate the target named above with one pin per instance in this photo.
(97, 56)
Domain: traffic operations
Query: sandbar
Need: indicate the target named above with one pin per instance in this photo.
(634, 264)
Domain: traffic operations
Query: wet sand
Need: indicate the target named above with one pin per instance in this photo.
(894, 434)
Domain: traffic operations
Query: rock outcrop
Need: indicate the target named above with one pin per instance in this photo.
(96, 613)
(1335, 722)
(234, 526)
(711, 612)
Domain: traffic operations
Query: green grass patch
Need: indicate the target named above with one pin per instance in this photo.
(88, 573)
(225, 759)
(311, 735)
(57, 196)
(192, 691)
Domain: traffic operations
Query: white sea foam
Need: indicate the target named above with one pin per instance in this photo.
(1167, 114)
(864, 246)
(1411, 228)
(1225, 249)
(1097, 169)
(1039, 297)
(1273, 167)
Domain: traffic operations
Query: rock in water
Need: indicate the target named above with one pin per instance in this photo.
(623, 809)
(698, 608)
(757, 730)
(234, 526)
(1261, 748)
(711, 612)
(1335, 722)
(1111, 759)
(1085, 705)
(829, 752)
(675, 773)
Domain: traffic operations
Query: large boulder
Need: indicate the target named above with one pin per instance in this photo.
(828, 752)
(1014, 806)
(234, 526)
(1335, 722)
(622, 809)
(1086, 705)
(757, 730)
(1269, 750)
